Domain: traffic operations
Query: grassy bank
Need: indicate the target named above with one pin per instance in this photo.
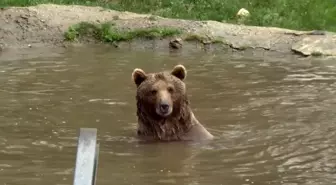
(106, 32)
(299, 14)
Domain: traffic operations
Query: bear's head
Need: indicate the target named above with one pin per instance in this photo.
(160, 95)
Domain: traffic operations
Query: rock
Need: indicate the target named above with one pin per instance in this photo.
(243, 13)
(175, 43)
(316, 45)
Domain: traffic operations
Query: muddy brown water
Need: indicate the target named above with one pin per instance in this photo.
(273, 118)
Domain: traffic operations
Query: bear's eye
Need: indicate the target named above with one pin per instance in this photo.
(153, 92)
(170, 89)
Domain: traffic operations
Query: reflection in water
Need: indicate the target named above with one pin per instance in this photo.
(273, 118)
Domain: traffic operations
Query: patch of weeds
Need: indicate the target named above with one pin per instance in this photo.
(80, 29)
(107, 32)
(152, 33)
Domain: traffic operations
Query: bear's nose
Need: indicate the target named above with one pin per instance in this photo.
(164, 107)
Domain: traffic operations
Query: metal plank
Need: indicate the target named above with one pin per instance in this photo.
(85, 171)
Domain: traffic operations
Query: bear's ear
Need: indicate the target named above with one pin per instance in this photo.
(138, 76)
(179, 71)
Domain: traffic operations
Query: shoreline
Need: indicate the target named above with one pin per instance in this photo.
(44, 25)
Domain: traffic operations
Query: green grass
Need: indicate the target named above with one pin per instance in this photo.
(106, 32)
(107, 3)
(298, 14)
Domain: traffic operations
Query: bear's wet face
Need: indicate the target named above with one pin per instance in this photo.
(163, 96)
(163, 108)
(160, 94)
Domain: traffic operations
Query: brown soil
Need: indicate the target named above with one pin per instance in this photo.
(44, 25)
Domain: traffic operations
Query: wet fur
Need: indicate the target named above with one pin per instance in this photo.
(154, 127)
(169, 128)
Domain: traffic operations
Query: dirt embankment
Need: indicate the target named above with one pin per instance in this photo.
(44, 25)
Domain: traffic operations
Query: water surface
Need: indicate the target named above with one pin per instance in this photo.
(273, 118)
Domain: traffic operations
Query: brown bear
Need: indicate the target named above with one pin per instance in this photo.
(163, 109)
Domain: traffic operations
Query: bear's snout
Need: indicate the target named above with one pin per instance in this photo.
(164, 109)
